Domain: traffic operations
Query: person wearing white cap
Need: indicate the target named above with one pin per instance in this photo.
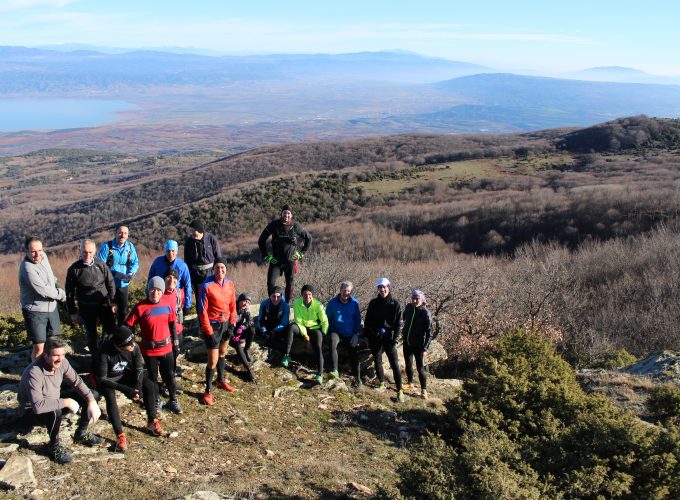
(381, 327)
(417, 336)
(161, 264)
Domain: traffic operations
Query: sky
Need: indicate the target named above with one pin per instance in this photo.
(544, 35)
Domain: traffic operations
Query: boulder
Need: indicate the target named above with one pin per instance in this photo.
(17, 472)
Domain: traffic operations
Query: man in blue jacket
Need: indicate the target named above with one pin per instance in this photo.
(274, 315)
(121, 258)
(170, 260)
(344, 326)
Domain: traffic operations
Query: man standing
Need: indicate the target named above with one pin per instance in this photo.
(40, 394)
(200, 251)
(344, 326)
(90, 283)
(287, 236)
(161, 264)
(217, 315)
(38, 294)
(121, 258)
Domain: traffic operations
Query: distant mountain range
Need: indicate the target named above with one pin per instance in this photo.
(241, 101)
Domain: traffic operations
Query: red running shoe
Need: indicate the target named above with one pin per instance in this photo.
(223, 385)
(121, 442)
(208, 399)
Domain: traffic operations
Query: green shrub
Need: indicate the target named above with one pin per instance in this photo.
(523, 428)
(614, 359)
(664, 403)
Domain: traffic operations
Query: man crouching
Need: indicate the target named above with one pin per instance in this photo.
(40, 393)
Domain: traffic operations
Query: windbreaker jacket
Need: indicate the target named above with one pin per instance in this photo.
(125, 260)
(160, 265)
(273, 320)
(284, 242)
(312, 317)
(90, 285)
(344, 318)
(383, 313)
(417, 332)
(216, 302)
(38, 290)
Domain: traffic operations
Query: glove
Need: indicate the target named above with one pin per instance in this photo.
(269, 259)
(72, 405)
(186, 310)
(239, 330)
(298, 255)
(93, 412)
(263, 330)
(383, 331)
(355, 340)
(124, 278)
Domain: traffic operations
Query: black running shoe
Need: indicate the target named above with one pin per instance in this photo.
(87, 438)
(59, 454)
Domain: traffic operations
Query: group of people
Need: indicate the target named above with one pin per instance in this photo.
(96, 290)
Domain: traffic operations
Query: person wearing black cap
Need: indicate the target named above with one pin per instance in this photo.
(241, 337)
(200, 251)
(290, 241)
(274, 314)
(310, 322)
(120, 367)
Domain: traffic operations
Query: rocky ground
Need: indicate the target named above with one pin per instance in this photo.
(283, 436)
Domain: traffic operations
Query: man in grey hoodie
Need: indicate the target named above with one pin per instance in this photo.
(39, 296)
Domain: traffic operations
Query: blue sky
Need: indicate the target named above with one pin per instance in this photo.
(521, 35)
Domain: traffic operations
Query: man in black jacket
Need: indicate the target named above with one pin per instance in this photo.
(381, 327)
(200, 251)
(89, 282)
(290, 241)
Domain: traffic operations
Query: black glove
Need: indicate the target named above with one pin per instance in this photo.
(121, 276)
(186, 311)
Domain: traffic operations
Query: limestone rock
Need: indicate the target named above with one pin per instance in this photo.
(17, 472)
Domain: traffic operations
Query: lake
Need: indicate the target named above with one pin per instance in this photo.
(30, 114)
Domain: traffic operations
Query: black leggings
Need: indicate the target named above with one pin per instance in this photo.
(337, 340)
(274, 273)
(419, 354)
(121, 300)
(52, 419)
(315, 337)
(90, 314)
(247, 335)
(128, 379)
(166, 365)
(380, 344)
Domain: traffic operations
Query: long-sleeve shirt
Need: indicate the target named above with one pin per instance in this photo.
(156, 324)
(38, 290)
(89, 284)
(216, 302)
(123, 259)
(344, 318)
(40, 387)
(312, 317)
(112, 365)
(417, 330)
(160, 265)
(201, 252)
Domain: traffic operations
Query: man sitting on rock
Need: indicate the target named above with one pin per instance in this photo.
(40, 394)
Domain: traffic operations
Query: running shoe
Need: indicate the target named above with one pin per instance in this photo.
(173, 406)
(400, 397)
(154, 427)
(423, 393)
(59, 453)
(121, 442)
(227, 387)
(382, 387)
(87, 438)
(408, 387)
(208, 399)
(319, 379)
(335, 374)
(286, 361)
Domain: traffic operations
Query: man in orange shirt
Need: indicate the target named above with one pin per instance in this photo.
(217, 314)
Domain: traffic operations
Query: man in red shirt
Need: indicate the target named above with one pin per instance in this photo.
(217, 314)
(156, 321)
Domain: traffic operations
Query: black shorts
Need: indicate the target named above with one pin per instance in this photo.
(213, 341)
(41, 325)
